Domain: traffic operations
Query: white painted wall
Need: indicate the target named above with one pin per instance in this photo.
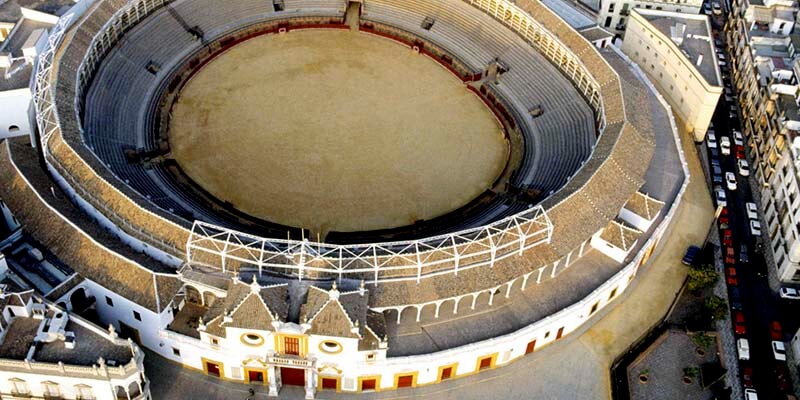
(14, 118)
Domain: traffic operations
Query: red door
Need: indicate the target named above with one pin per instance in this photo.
(531, 346)
(447, 373)
(212, 368)
(329, 383)
(255, 376)
(293, 376)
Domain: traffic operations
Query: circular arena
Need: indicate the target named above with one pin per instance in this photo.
(345, 195)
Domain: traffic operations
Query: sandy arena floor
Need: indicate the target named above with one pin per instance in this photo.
(335, 130)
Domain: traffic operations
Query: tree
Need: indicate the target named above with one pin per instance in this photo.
(701, 277)
(702, 340)
(716, 307)
(691, 372)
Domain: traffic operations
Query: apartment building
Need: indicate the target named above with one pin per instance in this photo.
(614, 14)
(764, 68)
(677, 53)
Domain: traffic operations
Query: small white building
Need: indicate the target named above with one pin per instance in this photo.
(677, 53)
(45, 352)
(18, 54)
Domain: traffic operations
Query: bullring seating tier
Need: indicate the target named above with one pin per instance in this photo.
(559, 140)
(578, 210)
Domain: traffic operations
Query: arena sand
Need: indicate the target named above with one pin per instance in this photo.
(335, 130)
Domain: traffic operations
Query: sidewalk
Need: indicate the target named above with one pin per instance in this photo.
(575, 368)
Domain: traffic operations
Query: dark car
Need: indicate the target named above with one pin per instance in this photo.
(747, 377)
(738, 323)
(743, 257)
(691, 255)
(782, 377)
(730, 276)
(735, 298)
(723, 218)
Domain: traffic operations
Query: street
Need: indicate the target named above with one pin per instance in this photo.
(760, 306)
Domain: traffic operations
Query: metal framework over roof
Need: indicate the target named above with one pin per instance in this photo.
(224, 248)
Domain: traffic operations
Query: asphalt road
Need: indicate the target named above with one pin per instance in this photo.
(760, 305)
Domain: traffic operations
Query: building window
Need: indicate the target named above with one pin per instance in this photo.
(83, 392)
(595, 306)
(611, 7)
(613, 293)
(486, 363)
(137, 316)
(330, 347)
(18, 386)
(176, 352)
(109, 301)
(51, 389)
(291, 345)
(14, 128)
(214, 341)
(530, 347)
(251, 339)
(608, 22)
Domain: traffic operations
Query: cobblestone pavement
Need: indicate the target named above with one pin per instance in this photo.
(664, 362)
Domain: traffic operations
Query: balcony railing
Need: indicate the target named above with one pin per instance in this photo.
(290, 361)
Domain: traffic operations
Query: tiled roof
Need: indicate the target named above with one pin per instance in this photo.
(620, 235)
(250, 306)
(644, 206)
(70, 241)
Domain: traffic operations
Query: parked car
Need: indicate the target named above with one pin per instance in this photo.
(723, 218)
(716, 8)
(730, 181)
(717, 42)
(752, 210)
(729, 256)
(739, 152)
(727, 237)
(750, 394)
(707, 9)
(719, 195)
(743, 256)
(782, 377)
(775, 330)
(721, 56)
(716, 174)
(735, 298)
(714, 153)
(738, 139)
(715, 162)
(738, 323)
(747, 377)
(755, 228)
(779, 350)
(732, 115)
(743, 347)
(725, 145)
(789, 293)
(691, 254)
(743, 167)
(711, 140)
(730, 276)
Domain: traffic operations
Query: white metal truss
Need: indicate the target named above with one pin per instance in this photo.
(44, 98)
(382, 262)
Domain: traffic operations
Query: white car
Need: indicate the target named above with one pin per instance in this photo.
(720, 56)
(719, 194)
(779, 350)
(730, 180)
(744, 167)
(755, 228)
(752, 210)
(750, 394)
(737, 138)
(725, 145)
(711, 139)
(743, 347)
(717, 9)
(790, 293)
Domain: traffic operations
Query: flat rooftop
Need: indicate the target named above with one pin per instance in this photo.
(18, 75)
(90, 345)
(697, 42)
(572, 16)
